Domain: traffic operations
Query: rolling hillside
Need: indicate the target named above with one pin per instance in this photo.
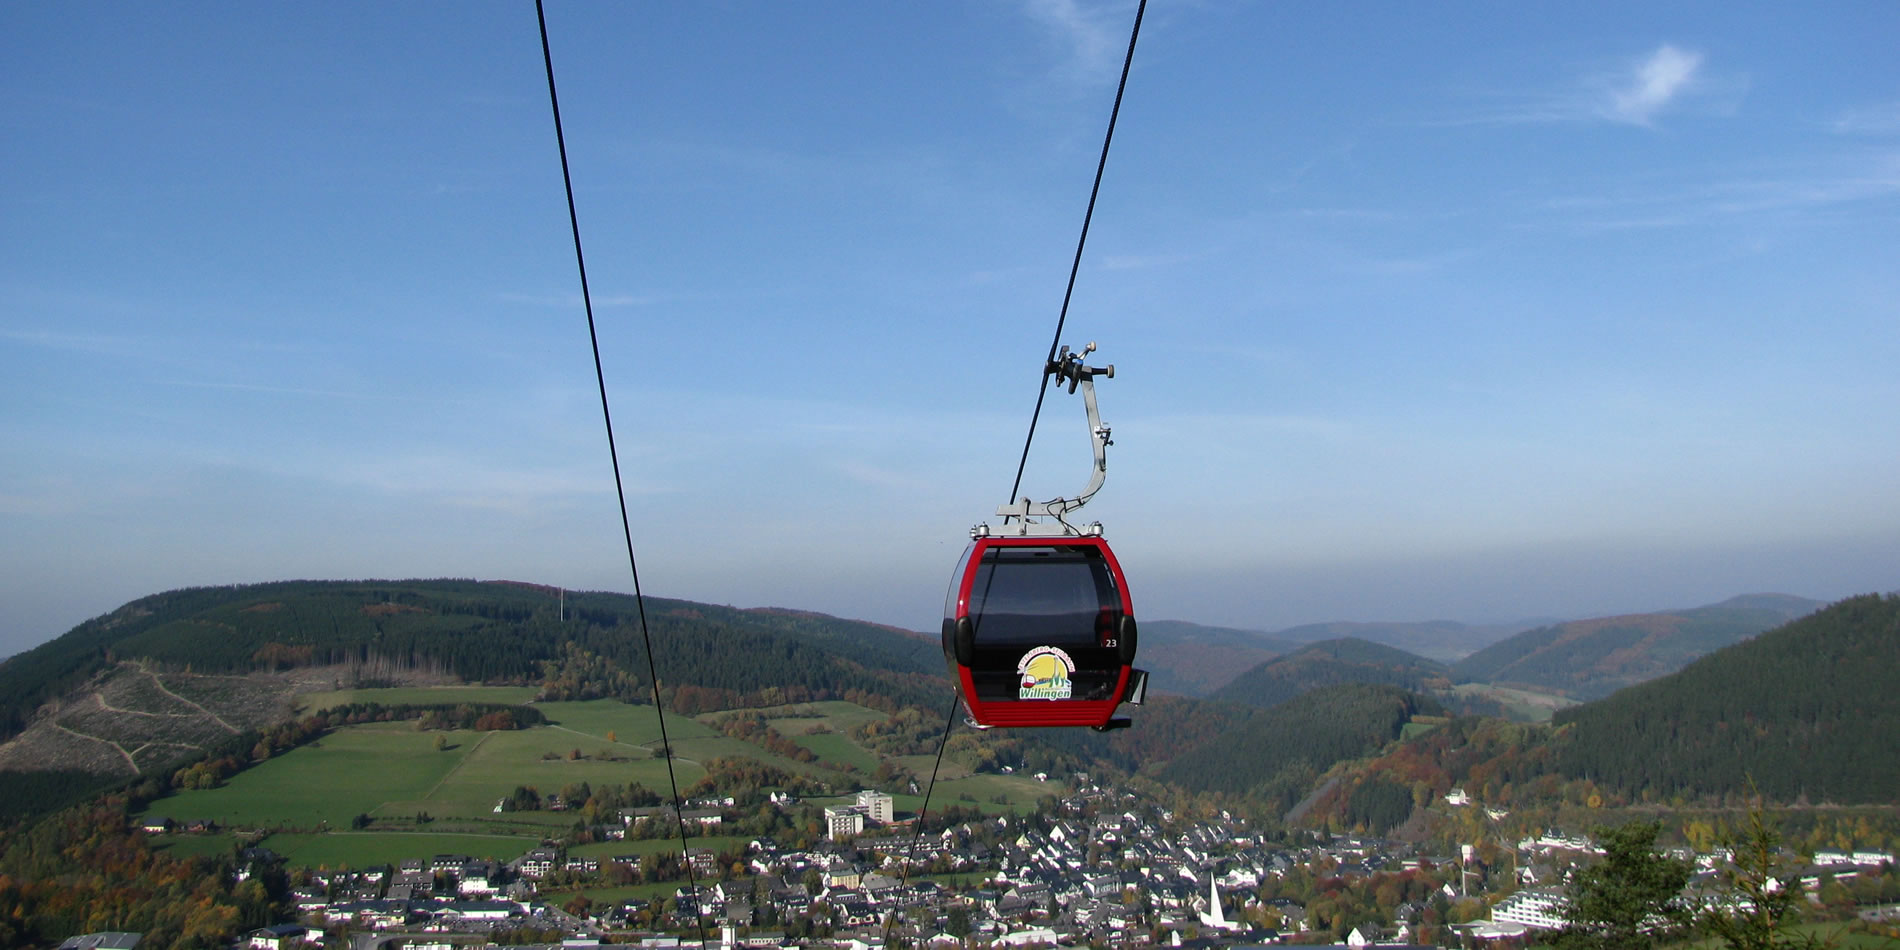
(1441, 640)
(1590, 659)
(1193, 660)
(1806, 712)
(1330, 663)
(1809, 710)
(1278, 755)
(479, 632)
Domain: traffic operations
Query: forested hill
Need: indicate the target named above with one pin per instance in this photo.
(1809, 710)
(481, 632)
(1192, 659)
(1442, 640)
(1276, 757)
(1329, 663)
(1589, 659)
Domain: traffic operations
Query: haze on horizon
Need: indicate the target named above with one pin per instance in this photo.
(1418, 313)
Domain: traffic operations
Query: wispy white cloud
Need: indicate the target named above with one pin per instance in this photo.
(1144, 261)
(101, 343)
(470, 482)
(1882, 119)
(1090, 36)
(1654, 83)
(887, 479)
(1636, 93)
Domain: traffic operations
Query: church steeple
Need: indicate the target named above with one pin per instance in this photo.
(1214, 918)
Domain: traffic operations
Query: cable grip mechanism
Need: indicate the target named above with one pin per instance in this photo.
(1068, 366)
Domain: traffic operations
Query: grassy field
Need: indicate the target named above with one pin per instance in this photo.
(1020, 791)
(832, 719)
(833, 747)
(920, 766)
(1519, 704)
(194, 846)
(608, 849)
(348, 772)
(368, 849)
(394, 773)
(629, 723)
(836, 715)
(497, 762)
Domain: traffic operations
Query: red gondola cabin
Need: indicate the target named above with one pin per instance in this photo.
(1040, 631)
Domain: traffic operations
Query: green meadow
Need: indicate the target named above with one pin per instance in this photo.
(644, 846)
(836, 715)
(350, 771)
(371, 848)
(392, 772)
(832, 747)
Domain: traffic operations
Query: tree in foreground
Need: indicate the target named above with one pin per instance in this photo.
(1631, 897)
(1764, 892)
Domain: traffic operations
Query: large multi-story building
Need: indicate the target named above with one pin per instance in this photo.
(1541, 908)
(844, 822)
(847, 821)
(877, 806)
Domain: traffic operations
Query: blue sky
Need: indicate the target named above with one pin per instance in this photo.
(1475, 311)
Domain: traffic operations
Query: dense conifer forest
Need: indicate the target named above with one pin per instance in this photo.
(1590, 659)
(1278, 755)
(1331, 662)
(1809, 711)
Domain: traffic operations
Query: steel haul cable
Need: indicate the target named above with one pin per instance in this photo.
(1075, 267)
(626, 529)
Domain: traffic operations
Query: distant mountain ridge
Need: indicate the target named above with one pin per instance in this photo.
(1589, 659)
(1332, 663)
(1441, 640)
(1192, 659)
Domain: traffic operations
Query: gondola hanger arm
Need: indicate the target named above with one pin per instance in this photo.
(1068, 366)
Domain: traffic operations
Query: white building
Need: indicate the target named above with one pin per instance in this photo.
(1034, 935)
(1539, 908)
(878, 806)
(1216, 918)
(844, 822)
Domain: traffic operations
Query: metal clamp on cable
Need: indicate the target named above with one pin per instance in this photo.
(1066, 367)
(1069, 366)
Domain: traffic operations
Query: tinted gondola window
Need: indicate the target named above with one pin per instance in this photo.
(1037, 595)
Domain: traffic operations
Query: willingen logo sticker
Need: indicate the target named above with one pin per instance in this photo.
(1045, 674)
